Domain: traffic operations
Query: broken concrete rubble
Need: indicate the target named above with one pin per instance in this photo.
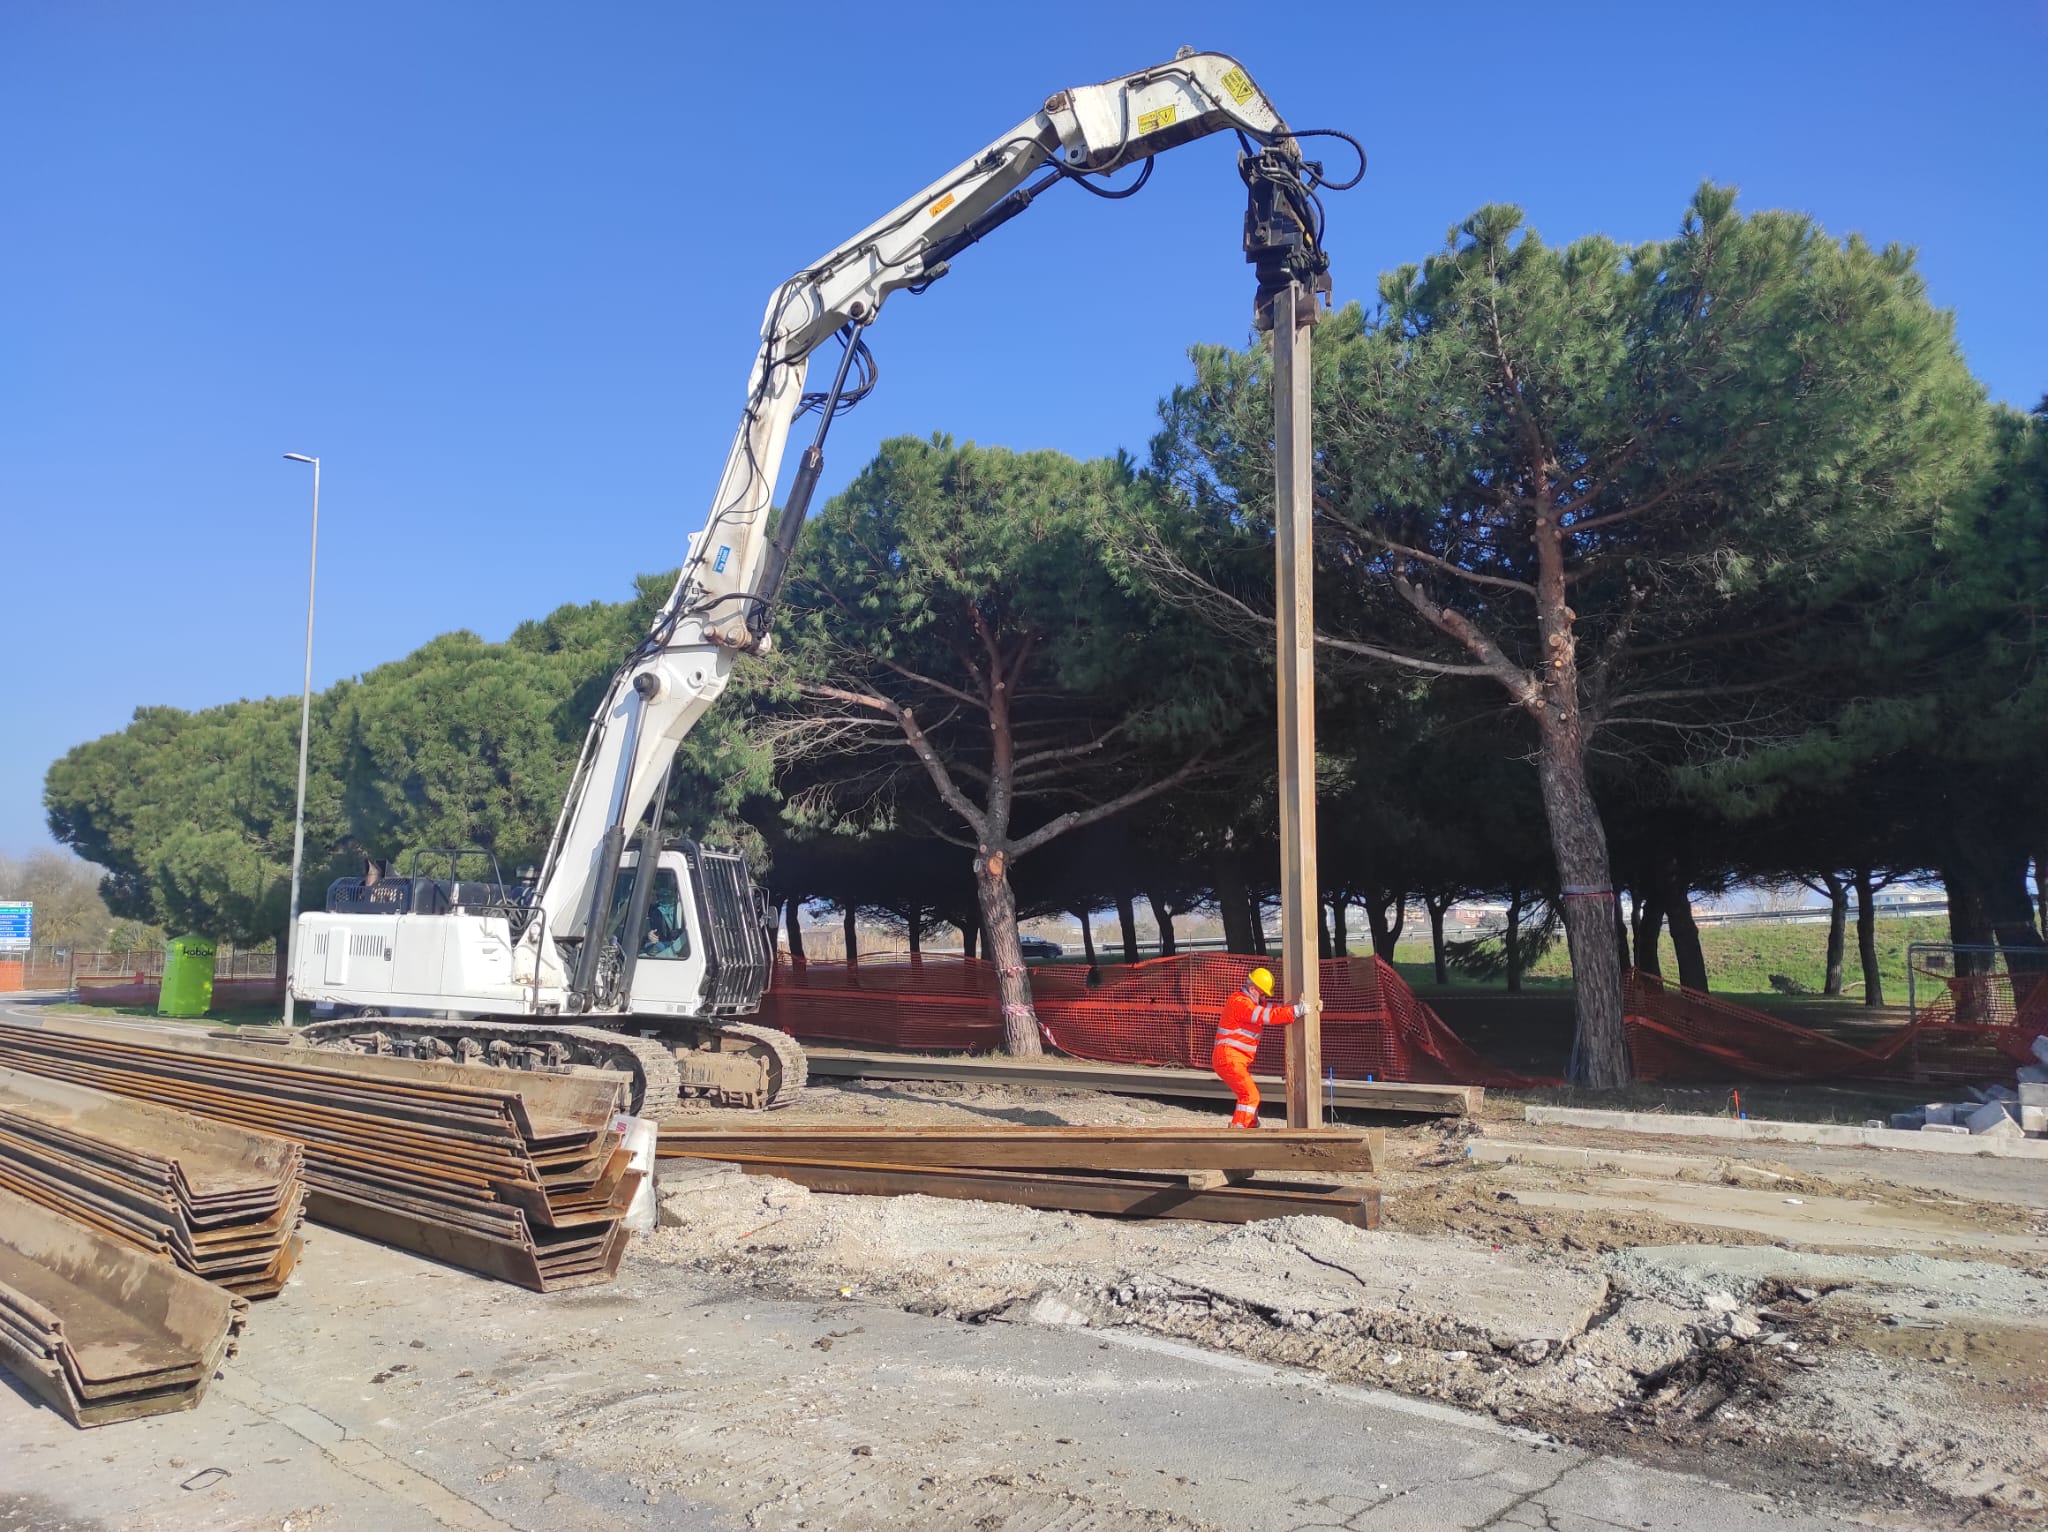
(1991, 1120)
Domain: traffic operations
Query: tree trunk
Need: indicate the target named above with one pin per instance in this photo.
(1578, 842)
(1259, 947)
(1127, 917)
(2009, 909)
(1512, 941)
(1013, 981)
(1162, 917)
(1866, 937)
(915, 928)
(1685, 931)
(1233, 903)
(793, 917)
(1087, 937)
(849, 925)
(2041, 890)
(1340, 933)
(1838, 919)
(1969, 927)
(968, 931)
(1649, 934)
(1386, 921)
(1437, 905)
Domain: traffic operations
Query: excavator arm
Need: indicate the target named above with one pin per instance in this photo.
(724, 596)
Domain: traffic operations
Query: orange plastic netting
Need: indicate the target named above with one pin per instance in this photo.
(1974, 1030)
(1159, 1012)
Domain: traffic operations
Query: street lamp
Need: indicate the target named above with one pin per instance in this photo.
(305, 730)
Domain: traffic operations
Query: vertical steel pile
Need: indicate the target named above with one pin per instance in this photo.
(99, 1330)
(517, 1177)
(223, 1202)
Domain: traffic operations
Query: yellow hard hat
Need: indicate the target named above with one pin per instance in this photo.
(1262, 980)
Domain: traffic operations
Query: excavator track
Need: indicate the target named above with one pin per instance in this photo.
(764, 1070)
(793, 1065)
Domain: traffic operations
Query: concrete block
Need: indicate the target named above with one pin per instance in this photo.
(1993, 1121)
(2041, 1047)
(1938, 1112)
(1909, 1122)
(2034, 1074)
(2033, 1093)
(1998, 1093)
(2034, 1119)
(1946, 1127)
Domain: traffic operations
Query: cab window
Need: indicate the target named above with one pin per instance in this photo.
(667, 934)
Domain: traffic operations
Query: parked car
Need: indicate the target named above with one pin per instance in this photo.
(1039, 947)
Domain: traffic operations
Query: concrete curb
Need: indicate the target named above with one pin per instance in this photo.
(1755, 1130)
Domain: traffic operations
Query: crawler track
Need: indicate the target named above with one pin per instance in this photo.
(661, 1077)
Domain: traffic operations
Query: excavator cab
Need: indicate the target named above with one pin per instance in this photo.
(702, 947)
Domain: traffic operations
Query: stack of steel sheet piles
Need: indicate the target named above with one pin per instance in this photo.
(99, 1330)
(520, 1177)
(1200, 1173)
(222, 1201)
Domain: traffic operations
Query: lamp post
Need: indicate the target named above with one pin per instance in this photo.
(305, 731)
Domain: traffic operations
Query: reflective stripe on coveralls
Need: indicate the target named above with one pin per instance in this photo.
(1246, 1015)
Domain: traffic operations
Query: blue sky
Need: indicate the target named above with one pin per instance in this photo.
(502, 266)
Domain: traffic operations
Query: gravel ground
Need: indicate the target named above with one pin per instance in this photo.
(1673, 1342)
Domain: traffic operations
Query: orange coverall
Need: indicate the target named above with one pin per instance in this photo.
(1246, 1015)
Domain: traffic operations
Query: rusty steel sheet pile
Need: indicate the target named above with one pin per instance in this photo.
(1144, 1172)
(525, 1181)
(99, 1330)
(223, 1202)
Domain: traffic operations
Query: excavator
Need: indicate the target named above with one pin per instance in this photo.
(634, 951)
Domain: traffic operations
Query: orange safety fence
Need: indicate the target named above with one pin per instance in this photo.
(1972, 1031)
(1159, 1012)
(32, 974)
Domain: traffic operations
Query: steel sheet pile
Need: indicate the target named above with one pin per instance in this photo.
(99, 1330)
(527, 1182)
(223, 1202)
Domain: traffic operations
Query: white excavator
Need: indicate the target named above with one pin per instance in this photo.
(632, 951)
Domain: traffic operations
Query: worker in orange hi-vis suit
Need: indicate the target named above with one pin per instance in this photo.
(1246, 1015)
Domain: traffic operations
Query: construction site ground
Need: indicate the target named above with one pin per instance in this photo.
(1817, 1337)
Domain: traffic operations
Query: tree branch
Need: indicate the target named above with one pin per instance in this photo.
(1455, 625)
(936, 685)
(1162, 562)
(1078, 818)
(942, 779)
(1421, 557)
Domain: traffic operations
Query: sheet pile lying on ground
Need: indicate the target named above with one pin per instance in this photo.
(223, 1202)
(99, 1330)
(517, 1177)
(1148, 1172)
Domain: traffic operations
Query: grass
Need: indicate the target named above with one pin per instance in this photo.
(1740, 959)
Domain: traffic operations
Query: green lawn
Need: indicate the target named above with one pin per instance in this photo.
(1740, 958)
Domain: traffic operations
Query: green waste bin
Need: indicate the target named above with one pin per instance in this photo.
(188, 977)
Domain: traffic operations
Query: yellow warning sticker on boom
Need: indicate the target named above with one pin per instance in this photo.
(1152, 122)
(1239, 84)
(939, 206)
